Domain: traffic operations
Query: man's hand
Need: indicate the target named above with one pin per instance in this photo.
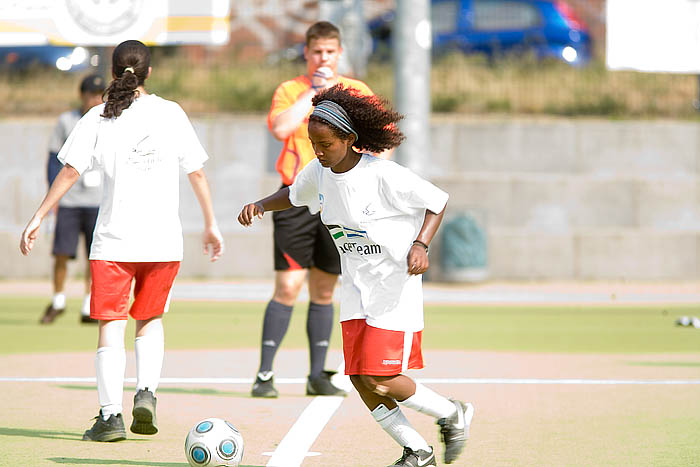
(323, 78)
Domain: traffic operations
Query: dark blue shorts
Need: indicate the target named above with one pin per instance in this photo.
(70, 223)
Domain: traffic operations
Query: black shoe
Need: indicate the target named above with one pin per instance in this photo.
(455, 430)
(50, 314)
(144, 413)
(264, 388)
(321, 385)
(417, 458)
(87, 319)
(111, 429)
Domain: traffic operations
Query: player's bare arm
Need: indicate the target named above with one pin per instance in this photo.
(418, 254)
(212, 240)
(64, 180)
(277, 201)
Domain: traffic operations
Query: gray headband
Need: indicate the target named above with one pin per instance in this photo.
(334, 114)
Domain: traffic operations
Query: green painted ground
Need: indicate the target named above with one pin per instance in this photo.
(200, 325)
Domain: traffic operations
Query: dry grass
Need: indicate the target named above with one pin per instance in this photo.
(464, 85)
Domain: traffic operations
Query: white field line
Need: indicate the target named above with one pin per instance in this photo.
(545, 381)
(295, 445)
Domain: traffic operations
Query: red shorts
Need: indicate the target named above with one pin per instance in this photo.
(111, 287)
(379, 352)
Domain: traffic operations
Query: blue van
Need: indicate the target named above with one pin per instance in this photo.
(497, 28)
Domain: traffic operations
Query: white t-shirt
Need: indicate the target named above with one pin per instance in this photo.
(374, 212)
(140, 153)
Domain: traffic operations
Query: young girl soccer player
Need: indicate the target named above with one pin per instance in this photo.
(382, 218)
(139, 140)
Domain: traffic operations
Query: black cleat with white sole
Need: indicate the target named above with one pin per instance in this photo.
(454, 430)
(108, 430)
(144, 412)
(419, 458)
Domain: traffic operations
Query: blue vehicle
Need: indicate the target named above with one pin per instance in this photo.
(18, 58)
(498, 28)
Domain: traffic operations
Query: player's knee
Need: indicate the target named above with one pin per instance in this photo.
(368, 383)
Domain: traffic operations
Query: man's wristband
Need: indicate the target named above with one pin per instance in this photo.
(418, 242)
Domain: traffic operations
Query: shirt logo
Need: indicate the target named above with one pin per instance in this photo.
(391, 362)
(368, 211)
(353, 241)
(338, 231)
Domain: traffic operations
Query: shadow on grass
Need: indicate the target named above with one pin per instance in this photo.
(680, 364)
(81, 461)
(71, 436)
(167, 390)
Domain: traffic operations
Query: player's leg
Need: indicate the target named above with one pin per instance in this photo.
(388, 415)
(453, 417)
(153, 283)
(319, 320)
(361, 345)
(293, 241)
(65, 245)
(111, 287)
(319, 327)
(278, 313)
(58, 300)
(88, 219)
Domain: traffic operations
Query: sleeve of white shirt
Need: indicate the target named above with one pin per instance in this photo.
(407, 191)
(79, 148)
(304, 190)
(191, 154)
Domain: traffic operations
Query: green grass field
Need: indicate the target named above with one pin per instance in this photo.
(516, 425)
(226, 325)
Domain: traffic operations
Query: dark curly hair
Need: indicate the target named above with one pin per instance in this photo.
(372, 118)
(122, 90)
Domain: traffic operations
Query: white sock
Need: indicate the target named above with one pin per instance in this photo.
(395, 423)
(58, 302)
(149, 356)
(427, 401)
(85, 310)
(110, 364)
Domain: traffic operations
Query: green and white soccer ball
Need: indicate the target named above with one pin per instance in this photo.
(214, 443)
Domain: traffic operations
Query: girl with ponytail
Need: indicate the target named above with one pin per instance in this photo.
(130, 69)
(140, 141)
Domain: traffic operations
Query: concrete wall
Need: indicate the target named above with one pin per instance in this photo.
(560, 199)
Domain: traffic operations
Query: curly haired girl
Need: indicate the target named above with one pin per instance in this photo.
(382, 218)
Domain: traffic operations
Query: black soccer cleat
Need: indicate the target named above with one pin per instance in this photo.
(87, 320)
(144, 413)
(50, 314)
(321, 385)
(264, 388)
(454, 430)
(419, 458)
(108, 430)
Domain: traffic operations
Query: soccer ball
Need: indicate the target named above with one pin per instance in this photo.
(212, 443)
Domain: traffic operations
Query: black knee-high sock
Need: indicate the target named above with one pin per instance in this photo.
(275, 326)
(319, 324)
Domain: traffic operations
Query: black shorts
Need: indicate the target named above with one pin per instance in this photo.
(302, 241)
(70, 222)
